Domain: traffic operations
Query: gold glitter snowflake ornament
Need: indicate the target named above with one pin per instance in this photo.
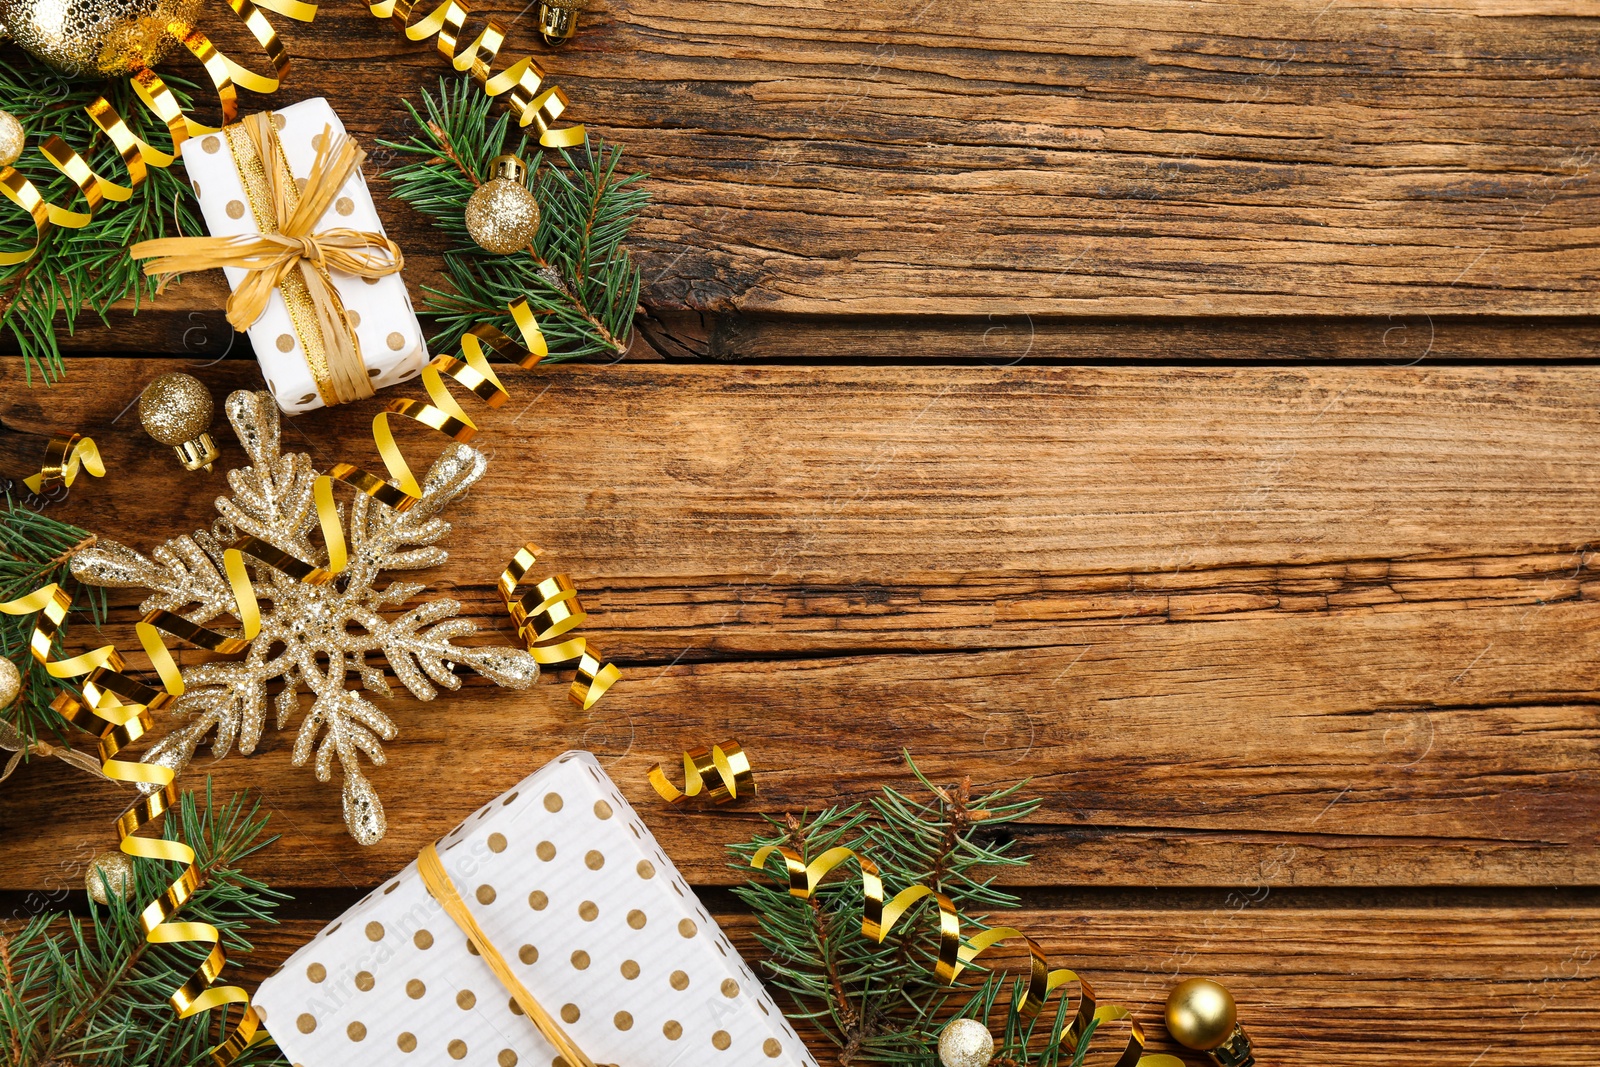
(311, 635)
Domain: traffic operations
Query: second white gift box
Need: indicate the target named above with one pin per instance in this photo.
(593, 919)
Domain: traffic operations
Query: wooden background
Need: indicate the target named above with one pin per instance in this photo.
(1190, 406)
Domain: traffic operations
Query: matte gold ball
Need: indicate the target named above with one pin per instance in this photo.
(117, 871)
(502, 215)
(12, 138)
(175, 408)
(1200, 1014)
(10, 683)
(97, 38)
(965, 1043)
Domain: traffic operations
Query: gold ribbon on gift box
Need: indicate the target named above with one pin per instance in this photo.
(288, 254)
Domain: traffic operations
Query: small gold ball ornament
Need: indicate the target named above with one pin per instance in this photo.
(965, 1043)
(109, 868)
(10, 683)
(502, 215)
(97, 38)
(176, 410)
(1202, 1015)
(12, 138)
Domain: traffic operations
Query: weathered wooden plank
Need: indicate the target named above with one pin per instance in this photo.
(1216, 614)
(1382, 986)
(1149, 158)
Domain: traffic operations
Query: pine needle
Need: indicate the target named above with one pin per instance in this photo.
(578, 278)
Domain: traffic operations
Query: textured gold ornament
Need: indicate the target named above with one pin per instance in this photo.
(113, 869)
(558, 20)
(965, 1043)
(12, 135)
(10, 683)
(502, 215)
(176, 410)
(1201, 1015)
(316, 631)
(98, 38)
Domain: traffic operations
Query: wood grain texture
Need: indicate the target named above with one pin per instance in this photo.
(1216, 614)
(1131, 158)
(1317, 986)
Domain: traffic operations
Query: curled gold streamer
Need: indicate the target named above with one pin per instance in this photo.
(522, 83)
(137, 155)
(116, 725)
(546, 612)
(878, 918)
(62, 458)
(721, 771)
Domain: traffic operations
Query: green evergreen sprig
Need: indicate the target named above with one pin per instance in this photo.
(35, 550)
(76, 991)
(578, 278)
(883, 1004)
(87, 269)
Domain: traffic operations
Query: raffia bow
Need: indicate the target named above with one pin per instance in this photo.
(288, 245)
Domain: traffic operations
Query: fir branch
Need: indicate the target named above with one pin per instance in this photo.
(85, 269)
(883, 1004)
(35, 550)
(76, 991)
(577, 276)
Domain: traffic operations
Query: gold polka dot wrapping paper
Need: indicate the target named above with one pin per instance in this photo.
(567, 884)
(286, 336)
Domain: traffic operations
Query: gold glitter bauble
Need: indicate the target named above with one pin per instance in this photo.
(965, 1043)
(117, 869)
(10, 683)
(1200, 1014)
(12, 139)
(97, 38)
(176, 410)
(502, 215)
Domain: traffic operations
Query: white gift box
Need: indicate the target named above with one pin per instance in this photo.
(591, 915)
(386, 327)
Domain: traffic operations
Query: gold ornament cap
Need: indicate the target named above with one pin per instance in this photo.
(12, 136)
(558, 21)
(1201, 1014)
(176, 410)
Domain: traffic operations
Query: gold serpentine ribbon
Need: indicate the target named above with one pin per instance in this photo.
(116, 725)
(137, 155)
(721, 771)
(63, 456)
(878, 918)
(546, 612)
(522, 83)
(442, 889)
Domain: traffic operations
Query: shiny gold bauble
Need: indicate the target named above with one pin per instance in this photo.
(10, 683)
(1200, 1014)
(502, 215)
(965, 1043)
(12, 138)
(176, 410)
(113, 868)
(97, 38)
